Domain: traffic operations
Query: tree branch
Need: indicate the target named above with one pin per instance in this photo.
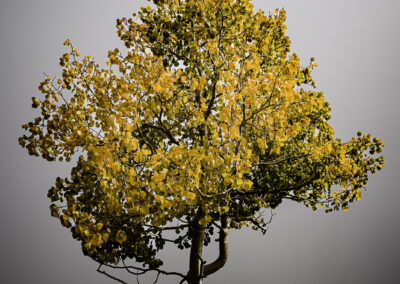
(166, 132)
(223, 249)
(109, 275)
(210, 105)
(168, 228)
(290, 188)
(262, 163)
(142, 271)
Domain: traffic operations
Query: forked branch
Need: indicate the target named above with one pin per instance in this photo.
(139, 271)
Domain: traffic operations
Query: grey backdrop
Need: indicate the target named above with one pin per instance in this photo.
(356, 44)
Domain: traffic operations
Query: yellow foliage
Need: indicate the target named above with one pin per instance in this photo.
(198, 117)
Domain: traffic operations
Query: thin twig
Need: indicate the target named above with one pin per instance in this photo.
(110, 276)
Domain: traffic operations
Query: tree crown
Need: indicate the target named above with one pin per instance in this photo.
(207, 115)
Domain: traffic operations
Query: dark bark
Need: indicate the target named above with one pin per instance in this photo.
(196, 250)
(198, 271)
(223, 249)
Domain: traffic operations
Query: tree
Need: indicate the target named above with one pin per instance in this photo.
(206, 121)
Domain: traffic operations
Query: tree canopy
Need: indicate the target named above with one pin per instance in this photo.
(204, 121)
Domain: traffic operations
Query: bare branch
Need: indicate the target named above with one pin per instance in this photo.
(262, 225)
(110, 276)
(168, 228)
(158, 275)
(143, 270)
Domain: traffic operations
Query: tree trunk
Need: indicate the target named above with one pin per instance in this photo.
(197, 271)
(196, 250)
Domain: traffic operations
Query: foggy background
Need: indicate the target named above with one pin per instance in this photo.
(356, 44)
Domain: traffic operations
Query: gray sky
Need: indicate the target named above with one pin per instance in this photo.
(356, 44)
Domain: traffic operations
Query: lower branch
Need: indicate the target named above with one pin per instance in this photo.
(223, 249)
(139, 271)
(110, 276)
